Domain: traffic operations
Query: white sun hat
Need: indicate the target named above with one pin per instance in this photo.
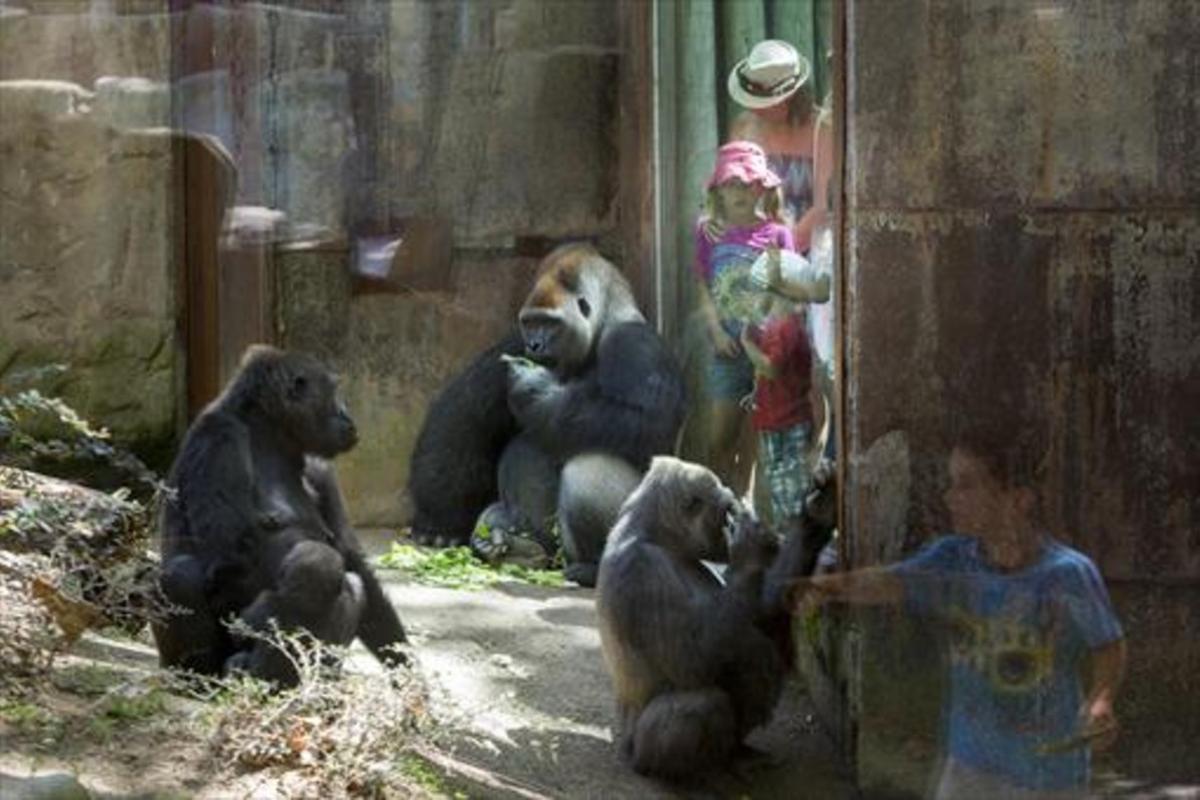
(771, 74)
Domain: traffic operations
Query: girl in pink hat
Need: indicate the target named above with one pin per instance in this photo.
(743, 203)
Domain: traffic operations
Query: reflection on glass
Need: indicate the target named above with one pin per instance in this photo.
(1022, 617)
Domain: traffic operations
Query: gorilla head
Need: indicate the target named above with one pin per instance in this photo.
(578, 294)
(683, 507)
(299, 395)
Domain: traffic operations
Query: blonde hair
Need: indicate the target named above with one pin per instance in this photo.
(770, 204)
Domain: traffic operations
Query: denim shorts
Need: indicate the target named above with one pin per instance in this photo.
(730, 379)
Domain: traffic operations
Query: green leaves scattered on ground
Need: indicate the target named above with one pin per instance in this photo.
(457, 568)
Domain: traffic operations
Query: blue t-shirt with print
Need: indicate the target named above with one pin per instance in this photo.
(1016, 640)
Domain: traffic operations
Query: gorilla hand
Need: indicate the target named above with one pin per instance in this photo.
(534, 392)
(752, 547)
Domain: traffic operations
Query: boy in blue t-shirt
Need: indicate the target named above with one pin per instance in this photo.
(1023, 613)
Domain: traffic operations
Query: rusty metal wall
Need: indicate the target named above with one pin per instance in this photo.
(1023, 201)
(1022, 222)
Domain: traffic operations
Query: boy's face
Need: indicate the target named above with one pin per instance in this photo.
(979, 504)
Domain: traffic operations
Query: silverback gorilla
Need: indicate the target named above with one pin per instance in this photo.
(256, 527)
(692, 670)
(560, 434)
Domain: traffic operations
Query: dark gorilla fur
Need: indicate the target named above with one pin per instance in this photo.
(452, 475)
(597, 397)
(692, 671)
(256, 526)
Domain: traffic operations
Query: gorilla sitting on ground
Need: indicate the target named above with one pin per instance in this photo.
(566, 430)
(256, 527)
(692, 671)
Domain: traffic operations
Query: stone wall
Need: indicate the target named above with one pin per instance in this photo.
(393, 353)
(496, 140)
(490, 125)
(1023, 217)
(87, 267)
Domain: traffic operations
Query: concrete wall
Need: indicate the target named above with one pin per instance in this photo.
(497, 139)
(489, 127)
(1023, 217)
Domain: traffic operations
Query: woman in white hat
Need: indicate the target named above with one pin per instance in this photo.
(774, 84)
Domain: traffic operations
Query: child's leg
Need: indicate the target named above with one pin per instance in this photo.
(724, 438)
(729, 380)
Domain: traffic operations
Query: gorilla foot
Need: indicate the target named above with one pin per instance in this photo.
(503, 536)
(497, 546)
(582, 573)
(436, 539)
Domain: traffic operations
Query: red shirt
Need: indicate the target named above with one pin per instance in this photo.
(783, 402)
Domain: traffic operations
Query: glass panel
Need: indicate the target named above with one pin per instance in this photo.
(757, 72)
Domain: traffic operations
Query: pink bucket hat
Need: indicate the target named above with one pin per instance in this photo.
(745, 162)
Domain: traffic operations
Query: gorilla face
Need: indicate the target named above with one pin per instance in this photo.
(562, 316)
(693, 504)
(315, 417)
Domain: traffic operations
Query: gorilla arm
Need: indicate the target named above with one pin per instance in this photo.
(215, 484)
(630, 404)
(379, 628)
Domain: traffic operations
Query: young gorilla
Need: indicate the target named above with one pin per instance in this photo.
(597, 395)
(692, 671)
(257, 528)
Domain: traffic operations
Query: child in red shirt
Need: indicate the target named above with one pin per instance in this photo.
(780, 350)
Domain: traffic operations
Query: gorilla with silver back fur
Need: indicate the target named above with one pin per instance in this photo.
(692, 669)
(256, 527)
(574, 419)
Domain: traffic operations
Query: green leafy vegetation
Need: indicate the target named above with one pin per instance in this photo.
(457, 568)
(44, 434)
(31, 719)
(118, 710)
(424, 775)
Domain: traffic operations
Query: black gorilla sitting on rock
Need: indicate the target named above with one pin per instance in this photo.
(692, 669)
(560, 434)
(256, 527)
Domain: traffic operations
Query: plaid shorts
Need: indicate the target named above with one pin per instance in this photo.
(786, 471)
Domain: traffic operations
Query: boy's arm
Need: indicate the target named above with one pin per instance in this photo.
(762, 364)
(1108, 669)
(873, 586)
(816, 291)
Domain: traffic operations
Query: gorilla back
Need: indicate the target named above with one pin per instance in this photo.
(256, 515)
(452, 472)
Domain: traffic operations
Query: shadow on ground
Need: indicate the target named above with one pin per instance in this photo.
(519, 680)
